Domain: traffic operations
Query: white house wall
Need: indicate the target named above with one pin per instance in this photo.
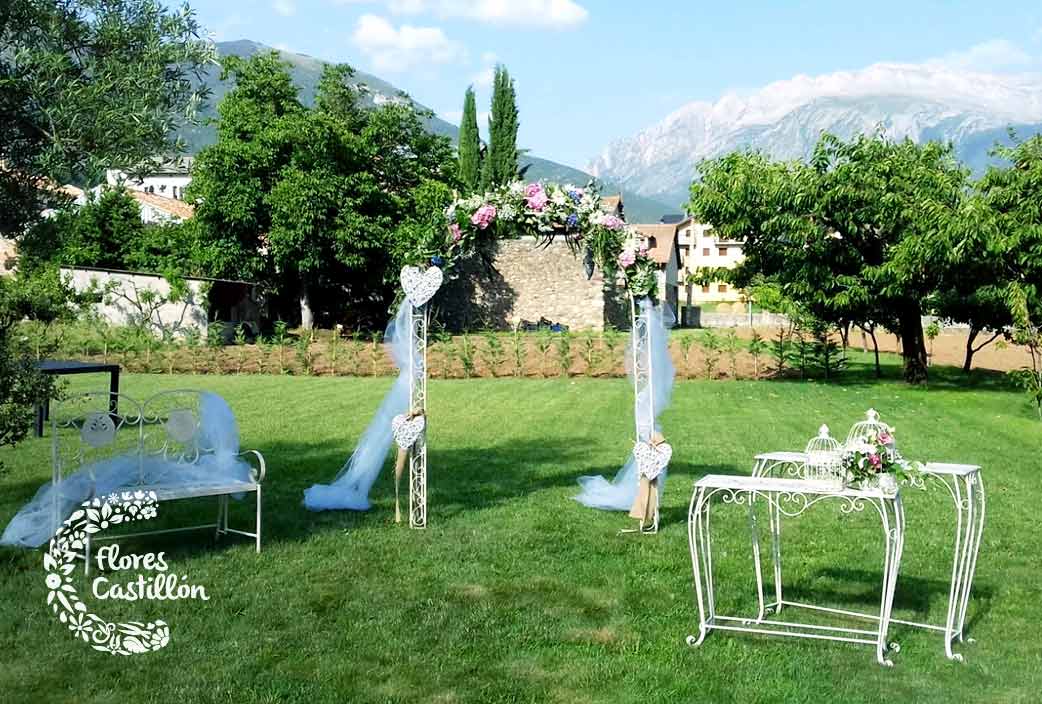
(118, 307)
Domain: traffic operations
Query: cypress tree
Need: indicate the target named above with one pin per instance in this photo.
(469, 145)
(502, 129)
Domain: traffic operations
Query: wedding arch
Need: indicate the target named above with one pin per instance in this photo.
(548, 211)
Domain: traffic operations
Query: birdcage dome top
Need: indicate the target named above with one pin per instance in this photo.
(823, 450)
(872, 426)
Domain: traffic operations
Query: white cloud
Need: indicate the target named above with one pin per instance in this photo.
(484, 77)
(403, 48)
(286, 8)
(992, 55)
(547, 14)
(456, 116)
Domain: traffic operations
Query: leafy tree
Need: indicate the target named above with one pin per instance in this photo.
(469, 145)
(500, 165)
(847, 234)
(311, 202)
(102, 232)
(90, 84)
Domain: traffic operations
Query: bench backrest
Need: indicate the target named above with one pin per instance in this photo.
(88, 428)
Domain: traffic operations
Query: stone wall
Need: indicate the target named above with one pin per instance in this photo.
(526, 282)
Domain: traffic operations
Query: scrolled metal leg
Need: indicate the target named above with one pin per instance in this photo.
(755, 537)
(698, 547)
(775, 523)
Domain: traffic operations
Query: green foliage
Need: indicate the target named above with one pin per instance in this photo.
(544, 342)
(590, 350)
(493, 355)
(757, 348)
(466, 353)
(500, 166)
(825, 353)
(517, 349)
(469, 146)
(87, 85)
(321, 199)
(781, 348)
(563, 348)
(303, 349)
(281, 339)
(686, 342)
(711, 348)
(731, 347)
(849, 235)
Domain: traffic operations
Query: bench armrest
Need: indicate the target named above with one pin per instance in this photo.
(259, 471)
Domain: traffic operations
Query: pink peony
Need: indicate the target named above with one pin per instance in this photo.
(457, 234)
(484, 216)
(535, 197)
(875, 460)
(886, 438)
(627, 258)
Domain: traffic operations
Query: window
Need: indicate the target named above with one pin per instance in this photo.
(722, 288)
(705, 251)
(722, 251)
(705, 289)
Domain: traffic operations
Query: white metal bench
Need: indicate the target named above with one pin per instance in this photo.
(160, 446)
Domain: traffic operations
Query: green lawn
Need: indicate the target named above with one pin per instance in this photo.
(516, 593)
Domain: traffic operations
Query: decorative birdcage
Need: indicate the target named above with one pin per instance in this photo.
(872, 428)
(824, 459)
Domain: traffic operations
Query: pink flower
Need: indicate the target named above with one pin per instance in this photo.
(535, 197)
(457, 234)
(642, 248)
(611, 222)
(627, 258)
(484, 216)
(886, 438)
(875, 460)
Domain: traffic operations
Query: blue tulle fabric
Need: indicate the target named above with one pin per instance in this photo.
(217, 441)
(350, 488)
(620, 493)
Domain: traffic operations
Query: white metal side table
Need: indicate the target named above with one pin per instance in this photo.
(791, 497)
(965, 485)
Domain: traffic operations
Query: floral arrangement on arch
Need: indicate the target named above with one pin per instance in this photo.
(873, 455)
(548, 211)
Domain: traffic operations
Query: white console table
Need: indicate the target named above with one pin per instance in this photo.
(790, 497)
(965, 485)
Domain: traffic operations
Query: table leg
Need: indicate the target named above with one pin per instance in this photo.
(775, 522)
(893, 536)
(755, 536)
(969, 510)
(698, 546)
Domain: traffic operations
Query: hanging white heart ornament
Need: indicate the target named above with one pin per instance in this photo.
(652, 459)
(420, 286)
(407, 430)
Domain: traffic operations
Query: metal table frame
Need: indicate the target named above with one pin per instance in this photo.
(965, 485)
(791, 498)
(60, 367)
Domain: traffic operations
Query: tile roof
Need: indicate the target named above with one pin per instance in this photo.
(665, 237)
(177, 208)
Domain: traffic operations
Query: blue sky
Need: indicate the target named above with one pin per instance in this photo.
(589, 71)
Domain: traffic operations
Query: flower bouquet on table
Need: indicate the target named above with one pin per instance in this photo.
(873, 461)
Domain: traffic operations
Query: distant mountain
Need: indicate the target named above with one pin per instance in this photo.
(785, 119)
(306, 72)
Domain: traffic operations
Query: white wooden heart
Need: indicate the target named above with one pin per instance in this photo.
(652, 459)
(420, 286)
(407, 430)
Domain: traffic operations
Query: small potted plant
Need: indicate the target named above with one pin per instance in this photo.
(873, 461)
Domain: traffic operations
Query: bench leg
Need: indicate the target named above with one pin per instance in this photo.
(258, 530)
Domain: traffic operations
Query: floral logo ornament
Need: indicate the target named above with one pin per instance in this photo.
(69, 544)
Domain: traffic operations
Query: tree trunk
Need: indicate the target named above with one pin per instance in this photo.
(968, 362)
(307, 318)
(913, 343)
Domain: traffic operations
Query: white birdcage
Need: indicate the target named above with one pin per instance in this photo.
(824, 458)
(871, 427)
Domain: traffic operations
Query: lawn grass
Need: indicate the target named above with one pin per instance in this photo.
(515, 593)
